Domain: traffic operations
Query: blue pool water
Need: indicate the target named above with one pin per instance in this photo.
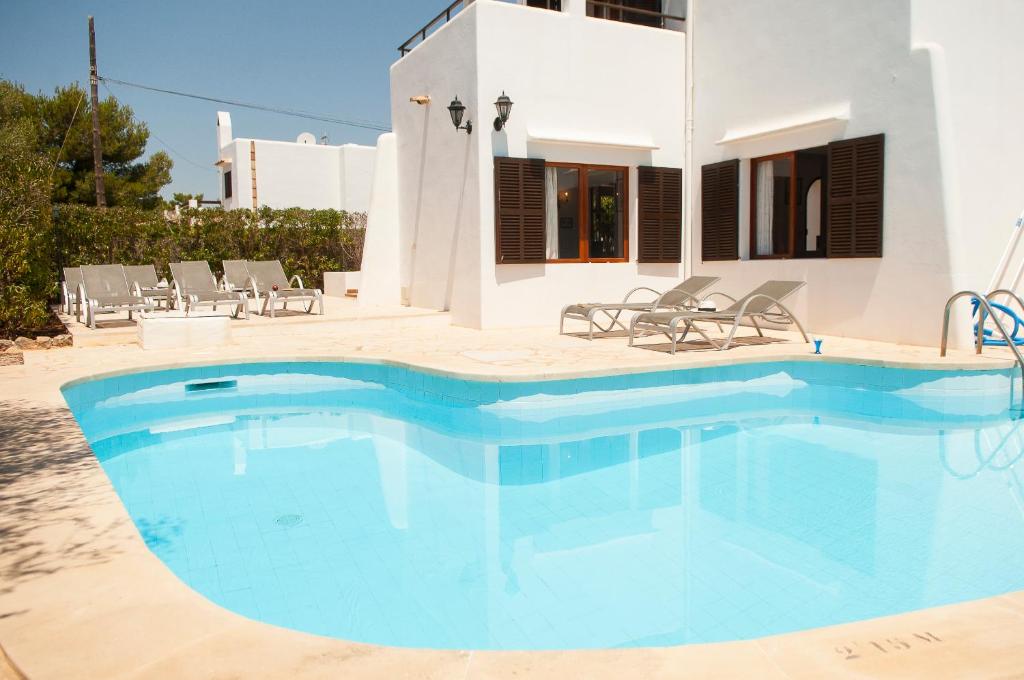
(384, 505)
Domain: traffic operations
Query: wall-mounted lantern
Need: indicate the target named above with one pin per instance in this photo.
(457, 110)
(504, 106)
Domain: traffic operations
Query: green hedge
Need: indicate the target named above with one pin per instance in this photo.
(26, 251)
(36, 242)
(308, 242)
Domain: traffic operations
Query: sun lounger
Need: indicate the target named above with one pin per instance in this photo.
(236, 276)
(143, 281)
(196, 286)
(70, 290)
(682, 296)
(269, 283)
(764, 303)
(105, 290)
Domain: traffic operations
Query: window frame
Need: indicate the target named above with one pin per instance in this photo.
(789, 254)
(583, 208)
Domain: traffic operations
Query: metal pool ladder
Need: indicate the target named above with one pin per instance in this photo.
(984, 310)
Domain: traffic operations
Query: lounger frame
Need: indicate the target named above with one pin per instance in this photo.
(193, 297)
(610, 313)
(689, 321)
(97, 303)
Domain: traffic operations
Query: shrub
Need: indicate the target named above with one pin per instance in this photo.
(308, 242)
(27, 277)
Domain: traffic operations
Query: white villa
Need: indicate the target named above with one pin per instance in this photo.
(653, 139)
(300, 174)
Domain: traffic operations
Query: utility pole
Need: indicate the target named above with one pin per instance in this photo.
(97, 144)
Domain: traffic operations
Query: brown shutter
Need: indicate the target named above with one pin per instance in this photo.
(856, 180)
(519, 210)
(720, 211)
(660, 222)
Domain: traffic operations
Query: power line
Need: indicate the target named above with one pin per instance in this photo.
(66, 134)
(166, 145)
(369, 125)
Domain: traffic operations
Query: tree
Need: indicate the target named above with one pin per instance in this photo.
(129, 181)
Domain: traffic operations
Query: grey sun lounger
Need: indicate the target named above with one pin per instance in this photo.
(196, 286)
(764, 303)
(682, 296)
(267, 275)
(143, 281)
(70, 291)
(105, 290)
(236, 276)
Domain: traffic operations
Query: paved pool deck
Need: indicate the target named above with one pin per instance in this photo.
(82, 597)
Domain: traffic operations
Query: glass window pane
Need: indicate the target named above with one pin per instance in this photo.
(562, 193)
(606, 206)
(771, 215)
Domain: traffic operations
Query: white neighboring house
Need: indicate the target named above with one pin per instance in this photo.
(303, 174)
(871, 149)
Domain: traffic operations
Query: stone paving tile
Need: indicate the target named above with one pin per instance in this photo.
(81, 596)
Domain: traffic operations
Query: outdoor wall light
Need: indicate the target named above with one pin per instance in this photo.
(457, 110)
(504, 106)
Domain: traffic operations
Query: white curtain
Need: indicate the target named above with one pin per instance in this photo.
(765, 206)
(551, 210)
(813, 206)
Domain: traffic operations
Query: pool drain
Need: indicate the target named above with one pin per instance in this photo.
(289, 520)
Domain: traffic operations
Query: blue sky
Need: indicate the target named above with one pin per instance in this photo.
(324, 56)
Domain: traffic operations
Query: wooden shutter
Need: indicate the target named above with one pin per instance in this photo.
(519, 210)
(660, 222)
(720, 211)
(856, 181)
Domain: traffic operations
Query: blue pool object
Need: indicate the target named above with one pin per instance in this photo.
(817, 346)
(391, 506)
(988, 335)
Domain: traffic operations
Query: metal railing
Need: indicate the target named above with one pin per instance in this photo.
(443, 18)
(603, 9)
(984, 309)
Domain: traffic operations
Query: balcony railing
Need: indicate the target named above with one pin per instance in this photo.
(440, 20)
(614, 10)
(451, 10)
(626, 11)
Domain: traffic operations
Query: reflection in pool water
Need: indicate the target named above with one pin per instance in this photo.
(385, 506)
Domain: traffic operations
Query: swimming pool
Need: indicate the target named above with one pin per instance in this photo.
(392, 506)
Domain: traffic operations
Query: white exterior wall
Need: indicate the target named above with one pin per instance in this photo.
(937, 77)
(234, 157)
(579, 79)
(438, 172)
(356, 176)
(290, 174)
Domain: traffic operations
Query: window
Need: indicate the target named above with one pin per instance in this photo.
(820, 202)
(559, 212)
(585, 213)
(785, 214)
(546, 4)
(227, 184)
(649, 13)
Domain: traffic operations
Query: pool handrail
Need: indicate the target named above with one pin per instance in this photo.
(983, 308)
